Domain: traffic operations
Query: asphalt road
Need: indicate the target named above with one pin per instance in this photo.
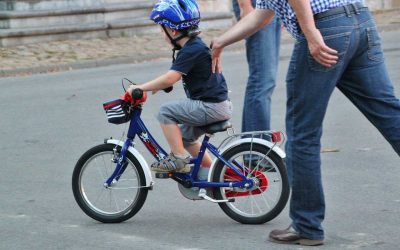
(48, 121)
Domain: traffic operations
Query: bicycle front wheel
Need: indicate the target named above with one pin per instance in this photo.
(270, 193)
(116, 203)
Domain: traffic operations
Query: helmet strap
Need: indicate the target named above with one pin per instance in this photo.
(173, 54)
(174, 41)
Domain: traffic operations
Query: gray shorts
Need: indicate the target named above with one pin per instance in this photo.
(190, 114)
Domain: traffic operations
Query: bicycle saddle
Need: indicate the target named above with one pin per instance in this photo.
(216, 127)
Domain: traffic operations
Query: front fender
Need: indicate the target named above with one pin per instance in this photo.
(269, 144)
(140, 158)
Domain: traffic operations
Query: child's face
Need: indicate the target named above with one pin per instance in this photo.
(171, 32)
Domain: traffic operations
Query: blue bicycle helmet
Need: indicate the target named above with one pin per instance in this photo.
(182, 15)
(176, 14)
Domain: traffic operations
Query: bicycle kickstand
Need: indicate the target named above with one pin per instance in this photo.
(203, 194)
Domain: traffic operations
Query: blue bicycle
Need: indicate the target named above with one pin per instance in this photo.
(247, 179)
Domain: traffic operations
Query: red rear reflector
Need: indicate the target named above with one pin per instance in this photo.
(276, 136)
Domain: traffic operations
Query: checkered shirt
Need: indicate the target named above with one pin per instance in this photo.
(285, 12)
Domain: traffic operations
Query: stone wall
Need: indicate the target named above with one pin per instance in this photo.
(205, 5)
(225, 5)
(32, 21)
(215, 5)
(382, 4)
(20, 5)
(29, 5)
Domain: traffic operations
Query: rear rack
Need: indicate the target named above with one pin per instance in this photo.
(277, 138)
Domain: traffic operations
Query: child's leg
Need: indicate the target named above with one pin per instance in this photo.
(194, 149)
(178, 160)
(173, 134)
(190, 114)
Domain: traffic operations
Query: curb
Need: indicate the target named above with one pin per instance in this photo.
(77, 65)
(237, 47)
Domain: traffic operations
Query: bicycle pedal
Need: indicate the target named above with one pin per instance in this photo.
(163, 175)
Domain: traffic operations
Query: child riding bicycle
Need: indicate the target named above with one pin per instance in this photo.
(207, 94)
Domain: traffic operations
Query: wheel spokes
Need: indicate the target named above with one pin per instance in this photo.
(115, 199)
(267, 196)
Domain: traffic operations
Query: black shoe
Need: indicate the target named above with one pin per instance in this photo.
(291, 236)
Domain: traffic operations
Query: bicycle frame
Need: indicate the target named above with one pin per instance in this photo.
(137, 127)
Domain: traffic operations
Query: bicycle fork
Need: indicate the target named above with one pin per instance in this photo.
(121, 164)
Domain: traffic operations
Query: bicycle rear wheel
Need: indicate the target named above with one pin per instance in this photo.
(117, 203)
(268, 198)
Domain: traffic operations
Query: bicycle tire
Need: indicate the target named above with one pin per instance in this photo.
(273, 168)
(95, 166)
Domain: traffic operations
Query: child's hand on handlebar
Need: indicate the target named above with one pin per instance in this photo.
(134, 95)
(131, 88)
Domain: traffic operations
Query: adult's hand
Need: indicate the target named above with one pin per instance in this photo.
(247, 26)
(216, 56)
(320, 51)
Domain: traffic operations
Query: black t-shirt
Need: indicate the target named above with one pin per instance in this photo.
(194, 62)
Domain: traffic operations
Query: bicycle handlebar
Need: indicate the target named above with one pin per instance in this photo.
(169, 89)
(137, 94)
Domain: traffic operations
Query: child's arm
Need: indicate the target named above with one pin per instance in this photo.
(162, 82)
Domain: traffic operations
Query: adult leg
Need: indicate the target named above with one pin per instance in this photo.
(366, 83)
(309, 87)
(262, 51)
(378, 103)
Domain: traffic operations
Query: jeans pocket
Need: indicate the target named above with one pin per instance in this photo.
(375, 52)
(340, 43)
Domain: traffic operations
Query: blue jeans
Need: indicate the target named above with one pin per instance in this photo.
(262, 50)
(361, 75)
